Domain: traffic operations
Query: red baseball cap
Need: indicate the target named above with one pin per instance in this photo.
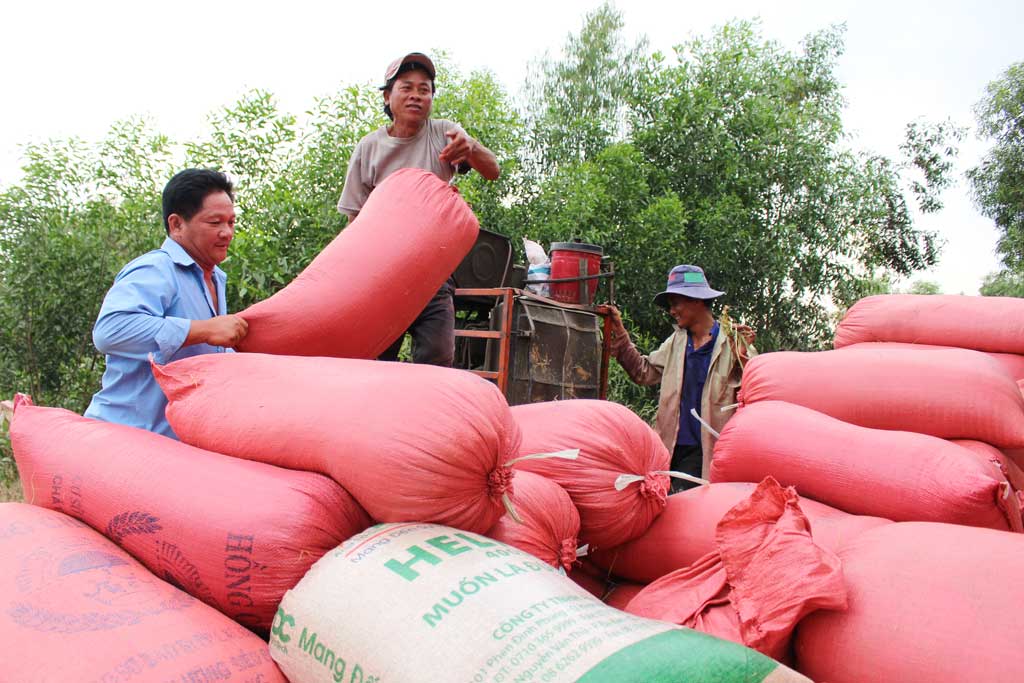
(417, 58)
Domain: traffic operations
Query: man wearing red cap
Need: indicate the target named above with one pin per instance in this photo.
(414, 140)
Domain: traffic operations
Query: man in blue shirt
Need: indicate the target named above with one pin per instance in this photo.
(169, 303)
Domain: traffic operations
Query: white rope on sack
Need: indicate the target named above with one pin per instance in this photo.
(624, 480)
(1005, 485)
(580, 552)
(705, 425)
(568, 454)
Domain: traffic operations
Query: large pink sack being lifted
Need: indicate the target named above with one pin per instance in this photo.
(368, 285)
(985, 323)
(1012, 363)
(765, 574)
(75, 607)
(901, 476)
(411, 443)
(952, 394)
(615, 446)
(927, 602)
(549, 524)
(233, 533)
(685, 531)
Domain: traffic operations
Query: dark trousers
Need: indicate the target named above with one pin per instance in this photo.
(433, 332)
(689, 460)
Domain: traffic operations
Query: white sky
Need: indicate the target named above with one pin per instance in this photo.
(73, 68)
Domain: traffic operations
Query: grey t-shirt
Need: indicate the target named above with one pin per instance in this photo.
(378, 155)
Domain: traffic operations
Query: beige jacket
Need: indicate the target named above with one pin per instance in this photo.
(666, 366)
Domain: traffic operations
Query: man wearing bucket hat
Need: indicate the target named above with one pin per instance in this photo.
(414, 140)
(698, 368)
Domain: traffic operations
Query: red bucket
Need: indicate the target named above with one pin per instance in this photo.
(574, 259)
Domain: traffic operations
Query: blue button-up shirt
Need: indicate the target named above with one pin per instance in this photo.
(149, 310)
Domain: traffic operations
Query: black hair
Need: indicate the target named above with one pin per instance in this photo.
(406, 66)
(185, 192)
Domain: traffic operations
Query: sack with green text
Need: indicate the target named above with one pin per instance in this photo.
(423, 602)
(74, 607)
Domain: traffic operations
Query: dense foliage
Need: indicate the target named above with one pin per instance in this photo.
(730, 153)
(998, 182)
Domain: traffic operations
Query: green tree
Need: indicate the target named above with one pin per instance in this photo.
(781, 214)
(609, 201)
(1003, 283)
(576, 106)
(79, 214)
(480, 105)
(998, 181)
(925, 287)
(930, 149)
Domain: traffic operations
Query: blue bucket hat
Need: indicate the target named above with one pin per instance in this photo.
(687, 281)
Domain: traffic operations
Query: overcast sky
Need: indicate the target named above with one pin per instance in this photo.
(74, 68)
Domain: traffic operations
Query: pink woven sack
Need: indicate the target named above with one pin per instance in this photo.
(409, 442)
(78, 608)
(617, 483)
(901, 476)
(985, 323)
(590, 577)
(368, 285)
(1011, 363)
(764, 576)
(622, 593)
(685, 531)
(896, 389)
(1007, 466)
(233, 533)
(927, 602)
(548, 526)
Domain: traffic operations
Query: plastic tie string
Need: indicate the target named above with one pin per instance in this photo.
(624, 480)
